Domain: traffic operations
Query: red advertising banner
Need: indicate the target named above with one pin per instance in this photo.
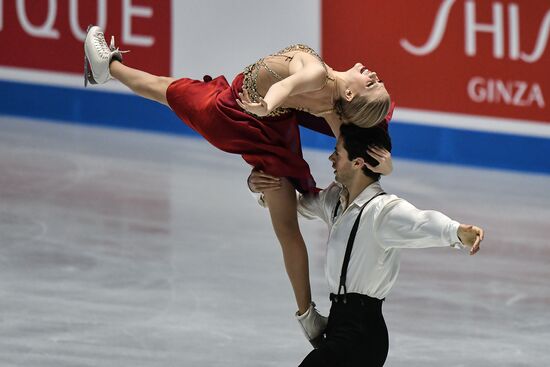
(49, 34)
(476, 57)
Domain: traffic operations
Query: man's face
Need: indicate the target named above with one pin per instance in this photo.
(340, 163)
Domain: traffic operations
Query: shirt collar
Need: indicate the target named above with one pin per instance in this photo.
(368, 193)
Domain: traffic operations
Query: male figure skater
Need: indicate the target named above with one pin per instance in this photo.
(367, 230)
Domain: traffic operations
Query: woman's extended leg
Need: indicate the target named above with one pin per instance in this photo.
(144, 84)
(282, 208)
(103, 62)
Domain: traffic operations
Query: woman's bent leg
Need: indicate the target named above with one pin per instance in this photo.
(144, 84)
(282, 208)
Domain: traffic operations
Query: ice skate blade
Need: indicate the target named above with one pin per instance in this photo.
(88, 76)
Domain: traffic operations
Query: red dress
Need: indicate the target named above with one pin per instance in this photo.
(271, 144)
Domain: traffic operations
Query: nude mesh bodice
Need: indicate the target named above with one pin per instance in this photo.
(261, 75)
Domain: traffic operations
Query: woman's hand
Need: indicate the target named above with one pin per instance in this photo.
(385, 166)
(258, 181)
(470, 236)
(257, 108)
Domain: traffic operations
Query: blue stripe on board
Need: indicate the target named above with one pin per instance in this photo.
(93, 107)
(473, 148)
(422, 142)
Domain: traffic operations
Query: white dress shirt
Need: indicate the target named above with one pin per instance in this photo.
(388, 224)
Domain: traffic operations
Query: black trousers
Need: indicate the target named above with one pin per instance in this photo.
(356, 334)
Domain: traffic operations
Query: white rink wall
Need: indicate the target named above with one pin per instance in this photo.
(221, 37)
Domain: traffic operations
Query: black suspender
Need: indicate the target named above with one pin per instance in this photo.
(335, 212)
(349, 247)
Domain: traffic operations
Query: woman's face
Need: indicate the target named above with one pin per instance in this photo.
(365, 82)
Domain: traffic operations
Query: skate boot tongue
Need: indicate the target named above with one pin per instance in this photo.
(117, 54)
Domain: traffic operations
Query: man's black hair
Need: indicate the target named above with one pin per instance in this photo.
(357, 140)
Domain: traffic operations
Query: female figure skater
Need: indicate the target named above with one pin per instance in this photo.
(257, 117)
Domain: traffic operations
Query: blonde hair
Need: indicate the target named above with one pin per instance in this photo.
(363, 112)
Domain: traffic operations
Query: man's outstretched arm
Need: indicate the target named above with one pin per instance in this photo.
(400, 224)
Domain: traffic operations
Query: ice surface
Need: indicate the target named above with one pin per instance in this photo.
(121, 248)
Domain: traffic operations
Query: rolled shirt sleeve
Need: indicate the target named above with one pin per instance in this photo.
(259, 197)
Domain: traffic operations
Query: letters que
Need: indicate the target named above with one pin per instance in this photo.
(47, 29)
(480, 89)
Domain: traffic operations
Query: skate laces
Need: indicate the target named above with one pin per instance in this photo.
(104, 51)
(113, 48)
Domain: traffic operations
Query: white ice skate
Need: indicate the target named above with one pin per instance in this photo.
(98, 56)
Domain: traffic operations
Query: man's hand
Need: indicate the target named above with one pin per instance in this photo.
(258, 181)
(385, 165)
(470, 236)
